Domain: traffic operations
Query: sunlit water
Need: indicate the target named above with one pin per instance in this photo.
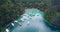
(33, 24)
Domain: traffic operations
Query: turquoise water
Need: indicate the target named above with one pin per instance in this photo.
(32, 24)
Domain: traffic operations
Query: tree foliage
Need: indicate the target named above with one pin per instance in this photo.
(9, 11)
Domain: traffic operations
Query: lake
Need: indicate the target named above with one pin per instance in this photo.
(33, 21)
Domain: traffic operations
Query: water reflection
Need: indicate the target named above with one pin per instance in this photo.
(33, 24)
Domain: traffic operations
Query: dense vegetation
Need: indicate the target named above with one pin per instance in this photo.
(11, 9)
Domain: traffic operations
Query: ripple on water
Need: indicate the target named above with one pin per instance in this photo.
(30, 29)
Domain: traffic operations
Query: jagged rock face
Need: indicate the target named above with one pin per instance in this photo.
(56, 2)
(55, 5)
(56, 21)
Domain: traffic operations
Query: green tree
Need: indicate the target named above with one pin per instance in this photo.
(9, 11)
